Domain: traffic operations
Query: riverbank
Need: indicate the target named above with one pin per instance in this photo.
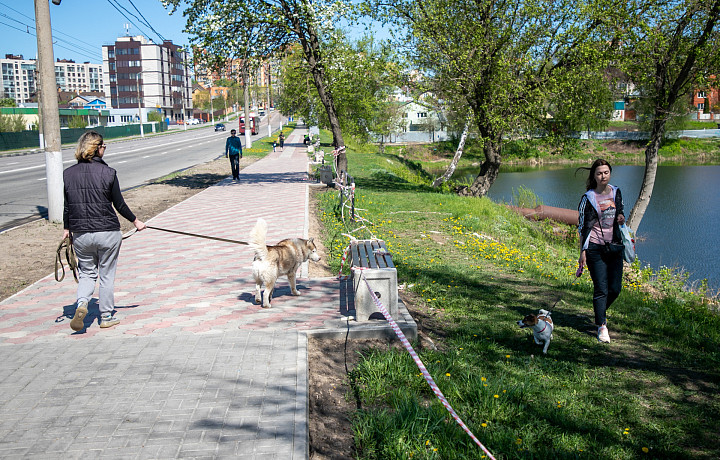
(469, 269)
(435, 157)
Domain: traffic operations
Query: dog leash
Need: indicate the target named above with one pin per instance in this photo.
(196, 235)
(67, 245)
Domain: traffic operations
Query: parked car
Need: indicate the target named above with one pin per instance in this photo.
(219, 127)
(194, 121)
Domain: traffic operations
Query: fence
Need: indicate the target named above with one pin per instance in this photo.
(31, 139)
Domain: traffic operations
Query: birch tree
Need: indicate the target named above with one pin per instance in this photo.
(669, 48)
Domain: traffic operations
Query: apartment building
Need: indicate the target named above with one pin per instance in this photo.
(19, 77)
(140, 74)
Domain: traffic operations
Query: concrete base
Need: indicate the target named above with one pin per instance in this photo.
(383, 282)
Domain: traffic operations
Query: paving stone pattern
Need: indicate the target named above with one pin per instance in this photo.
(195, 369)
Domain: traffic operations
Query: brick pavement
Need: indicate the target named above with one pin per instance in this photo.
(195, 369)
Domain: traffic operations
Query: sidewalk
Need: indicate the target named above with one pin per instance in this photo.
(195, 368)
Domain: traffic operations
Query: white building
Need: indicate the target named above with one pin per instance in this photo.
(141, 75)
(19, 77)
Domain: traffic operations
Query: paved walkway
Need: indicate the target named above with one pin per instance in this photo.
(195, 369)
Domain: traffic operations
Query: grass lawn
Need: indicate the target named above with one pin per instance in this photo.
(469, 269)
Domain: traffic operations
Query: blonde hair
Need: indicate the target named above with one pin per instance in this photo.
(88, 146)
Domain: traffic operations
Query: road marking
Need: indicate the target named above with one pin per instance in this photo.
(146, 156)
(124, 161)
(42, 178)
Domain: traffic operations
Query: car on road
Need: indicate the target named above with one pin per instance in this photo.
(219, 127)
(194, 121)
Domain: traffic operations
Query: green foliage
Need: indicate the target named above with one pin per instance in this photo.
(361, 81)
(525, 198)
(7, 102)
(11, 123)
(77, 121)
(154, 116)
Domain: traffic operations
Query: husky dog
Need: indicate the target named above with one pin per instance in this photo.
(272, 262)
(541, 325)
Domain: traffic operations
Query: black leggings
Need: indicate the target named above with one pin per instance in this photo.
(606, 272)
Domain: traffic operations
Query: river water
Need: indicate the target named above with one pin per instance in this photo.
(680, 227)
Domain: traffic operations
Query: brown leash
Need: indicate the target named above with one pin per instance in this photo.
(67, 245)
(215, 238)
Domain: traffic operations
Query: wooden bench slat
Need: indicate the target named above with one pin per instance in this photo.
(354, 255)
(387, 258)
(363, 254)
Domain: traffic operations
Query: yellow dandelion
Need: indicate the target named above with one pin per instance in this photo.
(484, 425)
(518, 441)
(507, 356)
(483, 379)
(645, 449)
(427, 443)
(497, 396)
(447, 374)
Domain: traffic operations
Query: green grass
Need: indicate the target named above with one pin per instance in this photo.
(472, 269)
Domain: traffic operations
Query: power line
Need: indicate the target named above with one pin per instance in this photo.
(146, 21)
(117, 6)
(55, 31)
(54, 44)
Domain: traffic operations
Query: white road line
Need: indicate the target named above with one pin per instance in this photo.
(42, 178)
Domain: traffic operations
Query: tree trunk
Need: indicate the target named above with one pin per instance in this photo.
(458, 153)
(489, 169)
(311, 49)
(648, 183)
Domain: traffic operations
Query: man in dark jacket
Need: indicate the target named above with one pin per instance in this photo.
(92, 193)
(233, 150)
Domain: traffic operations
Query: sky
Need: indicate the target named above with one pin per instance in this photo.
(82, 27)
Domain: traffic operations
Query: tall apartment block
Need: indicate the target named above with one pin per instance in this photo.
(137, 71)
(19, 77)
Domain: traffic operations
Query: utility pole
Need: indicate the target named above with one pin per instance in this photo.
(50, 112)
(184, 88)
(142, 132)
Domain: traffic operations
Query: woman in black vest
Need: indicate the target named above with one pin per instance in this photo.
(92, 193)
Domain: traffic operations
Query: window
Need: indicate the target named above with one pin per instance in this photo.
(701, 106)
(422, 114)
(701, 95)
(111, 53)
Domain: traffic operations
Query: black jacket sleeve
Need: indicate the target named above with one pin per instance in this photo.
(119, 202)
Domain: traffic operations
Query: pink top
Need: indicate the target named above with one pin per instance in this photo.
(602, 231)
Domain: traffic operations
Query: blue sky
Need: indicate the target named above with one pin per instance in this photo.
(81, 27)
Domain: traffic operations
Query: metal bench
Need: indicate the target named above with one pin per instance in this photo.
(378, 268)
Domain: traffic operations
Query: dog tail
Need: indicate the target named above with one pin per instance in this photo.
(257, 239)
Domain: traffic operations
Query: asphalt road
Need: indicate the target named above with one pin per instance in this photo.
(23, 185)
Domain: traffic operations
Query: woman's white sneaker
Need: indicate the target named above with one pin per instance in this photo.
(603, 335)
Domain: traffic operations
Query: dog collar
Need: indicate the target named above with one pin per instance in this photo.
(543, 327)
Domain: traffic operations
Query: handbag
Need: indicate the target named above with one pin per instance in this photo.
(611, 248)
(628, 240)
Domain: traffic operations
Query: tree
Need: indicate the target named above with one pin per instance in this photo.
(246, 28)
(11, 123)
(669, 47)
(77, 121)
(507, 61)
(362, 78)
(7, 102)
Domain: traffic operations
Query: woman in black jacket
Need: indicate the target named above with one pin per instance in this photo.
(91, 192)
(601, 212)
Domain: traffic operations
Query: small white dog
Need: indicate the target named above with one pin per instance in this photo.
(541, 325)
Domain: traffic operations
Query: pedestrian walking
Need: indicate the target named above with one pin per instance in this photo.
(92, 190)
(233, 150)
(281, 140)
(601, 212)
